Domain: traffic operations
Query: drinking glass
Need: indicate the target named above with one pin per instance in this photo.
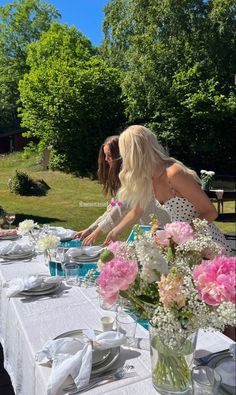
(61, 254)
(72, 274)
(126, 324)
(10, 218)
(205, 380)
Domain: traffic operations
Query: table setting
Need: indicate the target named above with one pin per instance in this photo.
(69, 342)
(15, 251)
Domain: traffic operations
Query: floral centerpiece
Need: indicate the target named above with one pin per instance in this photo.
(30, 228)
(180, 281)
(26, 226)
(206, 178)
(47, 245)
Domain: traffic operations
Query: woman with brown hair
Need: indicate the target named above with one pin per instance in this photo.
(109, 166)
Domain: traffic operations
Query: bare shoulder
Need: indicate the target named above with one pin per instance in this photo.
(174, 171)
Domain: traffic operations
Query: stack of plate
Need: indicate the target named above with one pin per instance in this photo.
(18, 257)
(9, 237)
(44, 289)
(102, 359)
(85, 254)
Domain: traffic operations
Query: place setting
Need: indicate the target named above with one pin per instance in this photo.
(63, 233)
(216, 368)
(85, 253)
(85, 358)
(33, 286)
(14, 251)
(8, 233)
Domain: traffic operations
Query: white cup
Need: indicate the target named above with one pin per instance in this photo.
(107, 323)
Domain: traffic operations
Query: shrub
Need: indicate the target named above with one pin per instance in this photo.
(22, 184)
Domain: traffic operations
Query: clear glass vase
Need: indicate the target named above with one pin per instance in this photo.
(171, 368)
(206, 185)
(49, 254)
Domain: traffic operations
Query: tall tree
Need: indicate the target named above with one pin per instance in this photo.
(178, 60)
(21, 23)
(70, 98)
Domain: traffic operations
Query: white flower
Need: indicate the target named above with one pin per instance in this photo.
(47, 242)
(26, 226)
(150, 258)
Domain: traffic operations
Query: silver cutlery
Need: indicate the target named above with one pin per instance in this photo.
(118, 374)
(204, 360)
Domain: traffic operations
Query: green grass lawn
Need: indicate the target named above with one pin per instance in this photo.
(71, 202)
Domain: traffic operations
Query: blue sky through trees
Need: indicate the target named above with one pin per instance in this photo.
(86, 15)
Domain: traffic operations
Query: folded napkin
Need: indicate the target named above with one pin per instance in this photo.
(8, 232)
(61, 232)
(25, 283)
(92, 251)
(73, 357)
(14, 248)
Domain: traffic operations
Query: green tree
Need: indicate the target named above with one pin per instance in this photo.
(70, 98)
(21, 23)
(178, 63)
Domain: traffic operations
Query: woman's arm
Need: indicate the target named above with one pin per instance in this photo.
(187, 187)
(106, 223)
(131, 218)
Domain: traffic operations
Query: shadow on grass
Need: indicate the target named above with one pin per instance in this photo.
(40, 220)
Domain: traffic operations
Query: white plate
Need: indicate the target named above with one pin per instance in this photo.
(102, 359)
(12, 237)
(92, 257)
(45, 289)
(17, 257)
(225, 366)
(83, 259)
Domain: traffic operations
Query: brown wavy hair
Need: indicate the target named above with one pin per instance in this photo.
(108, 176)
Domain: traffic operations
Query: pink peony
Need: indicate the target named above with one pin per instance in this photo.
(117, 275)
(216, 280)
(180, 232)
(114, 246)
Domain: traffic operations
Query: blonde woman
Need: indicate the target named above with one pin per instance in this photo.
(147, 170)
(109, 165)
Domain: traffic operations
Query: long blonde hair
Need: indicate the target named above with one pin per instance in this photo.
(142, 157)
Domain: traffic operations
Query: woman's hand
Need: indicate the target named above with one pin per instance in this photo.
(82, 233)
(90, 239)
(112, 236)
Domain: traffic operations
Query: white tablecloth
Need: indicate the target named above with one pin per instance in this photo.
(27, 323)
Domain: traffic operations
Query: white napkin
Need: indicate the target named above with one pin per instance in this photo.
(14, 248)
(24, 283)
(91, 251)
(62, 232)
(73, 357)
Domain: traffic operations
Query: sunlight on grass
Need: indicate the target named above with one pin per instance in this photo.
(65, 203)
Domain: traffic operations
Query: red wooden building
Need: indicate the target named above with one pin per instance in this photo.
(12, 141)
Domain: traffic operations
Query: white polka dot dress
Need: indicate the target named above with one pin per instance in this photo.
(180, 209)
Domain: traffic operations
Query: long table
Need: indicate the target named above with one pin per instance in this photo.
(27, 323)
